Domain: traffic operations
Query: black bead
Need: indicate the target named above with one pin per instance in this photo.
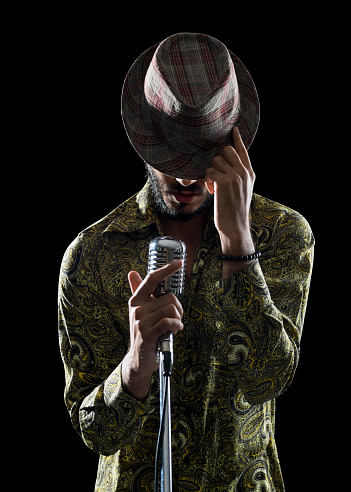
(240, 258)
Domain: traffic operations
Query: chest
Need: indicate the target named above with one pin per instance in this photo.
(190, 256)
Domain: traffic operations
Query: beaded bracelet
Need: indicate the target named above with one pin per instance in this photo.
(240, 258)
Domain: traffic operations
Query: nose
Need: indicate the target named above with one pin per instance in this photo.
(186, 182)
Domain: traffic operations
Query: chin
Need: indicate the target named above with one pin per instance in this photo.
(184, 211)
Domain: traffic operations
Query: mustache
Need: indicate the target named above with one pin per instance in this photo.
(178, 188)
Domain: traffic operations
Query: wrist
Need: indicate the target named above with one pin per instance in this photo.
(135, 380)
(237, 245)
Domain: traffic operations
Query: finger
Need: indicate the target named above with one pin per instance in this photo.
(238, 143)
(166, 300)
(224, 163)
(166, 305)
(148, 323)
(151, 281)
(230, 155)
(215, 175)
(158, 322)
(241, 149)
(134, 280)
(167, 324)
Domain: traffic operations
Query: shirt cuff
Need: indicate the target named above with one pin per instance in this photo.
(245, 291)
(131, 412)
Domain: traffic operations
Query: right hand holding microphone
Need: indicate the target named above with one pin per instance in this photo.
(150, 319)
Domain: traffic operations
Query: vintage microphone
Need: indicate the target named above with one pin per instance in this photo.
(163, 250)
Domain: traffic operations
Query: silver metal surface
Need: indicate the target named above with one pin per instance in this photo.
(163, 250)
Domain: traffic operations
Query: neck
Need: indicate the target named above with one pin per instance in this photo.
(190, 232)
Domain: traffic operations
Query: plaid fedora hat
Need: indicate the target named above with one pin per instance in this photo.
(180, 101)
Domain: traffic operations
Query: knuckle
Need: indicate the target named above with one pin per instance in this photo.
(245, 175)
(227, 180)
(163, 325)
(138, 312)
(137, 326)
(174, 301)
(227, 151)
(215, 162)
(172, 298)
(211, 171)
(172, 311)
(178, 307)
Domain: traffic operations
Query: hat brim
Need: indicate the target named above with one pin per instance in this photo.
(154, 149)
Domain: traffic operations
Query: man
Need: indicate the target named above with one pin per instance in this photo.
(191, 111)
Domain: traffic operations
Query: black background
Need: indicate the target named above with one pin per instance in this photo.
(75, 64)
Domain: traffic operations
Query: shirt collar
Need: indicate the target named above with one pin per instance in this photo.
(139, 212)
(135, 213)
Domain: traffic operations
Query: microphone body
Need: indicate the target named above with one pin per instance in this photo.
(163, 250)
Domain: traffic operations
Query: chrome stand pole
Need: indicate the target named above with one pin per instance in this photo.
(165, 398)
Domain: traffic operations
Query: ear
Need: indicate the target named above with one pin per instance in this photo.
(210, 188)
(134, 280)
(209, 182)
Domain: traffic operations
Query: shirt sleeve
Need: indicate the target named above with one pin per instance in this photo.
(263, 309)
(92, 347)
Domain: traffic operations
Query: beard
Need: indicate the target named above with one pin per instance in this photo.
(176, 213)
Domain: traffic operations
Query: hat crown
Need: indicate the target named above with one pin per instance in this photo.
(193, 65)
(191, 90)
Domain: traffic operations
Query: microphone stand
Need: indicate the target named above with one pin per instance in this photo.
(165, 369)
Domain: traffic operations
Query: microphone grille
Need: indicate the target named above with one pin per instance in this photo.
(163, 250)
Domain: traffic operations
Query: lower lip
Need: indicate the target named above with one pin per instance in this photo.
(184, 198)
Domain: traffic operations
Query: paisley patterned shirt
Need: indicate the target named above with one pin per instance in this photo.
(238, 351)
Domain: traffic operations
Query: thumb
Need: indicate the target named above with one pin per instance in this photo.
(134, 280)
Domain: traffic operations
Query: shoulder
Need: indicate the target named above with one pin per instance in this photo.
(280, 227)
(88, 244)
